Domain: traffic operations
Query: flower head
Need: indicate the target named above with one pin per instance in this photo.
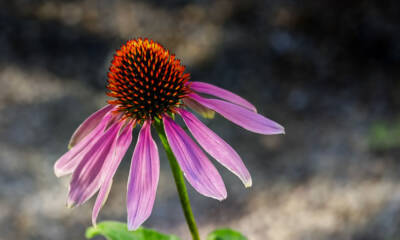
(146, 80)
(148, 83)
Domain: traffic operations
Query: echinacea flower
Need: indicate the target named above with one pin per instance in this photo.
(148, 83)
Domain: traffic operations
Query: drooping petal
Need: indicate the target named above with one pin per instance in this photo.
(88, 175)
(241, 116)
(88, 125)
(67, 163)
(203, 111)
(216, 147)
(121, 145)
(197, 168)
(210, 89)
(143, 178)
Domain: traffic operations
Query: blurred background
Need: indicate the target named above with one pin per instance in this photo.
(326, 70)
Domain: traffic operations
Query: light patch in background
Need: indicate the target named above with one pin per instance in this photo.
(319, 207)
(22, 86)
(192, 32)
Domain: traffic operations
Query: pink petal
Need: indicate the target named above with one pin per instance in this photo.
(121, 145)
(143, 178)
(241, 116)
(216, 147)
(203, 111)
(88, 125)
(198, 170)
(67, 163)
(90, 172)
(210, 89)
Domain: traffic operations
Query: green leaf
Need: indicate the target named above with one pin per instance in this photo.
(118, 231)
(225, 234)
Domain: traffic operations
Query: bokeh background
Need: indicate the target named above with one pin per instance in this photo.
(326, 70)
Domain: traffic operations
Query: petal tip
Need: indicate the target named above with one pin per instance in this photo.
(222, 198)
(70, 145)
(94, 223)
(248, 183)
(278, 129)
(133, 226)
(70, 204)
(58, 172)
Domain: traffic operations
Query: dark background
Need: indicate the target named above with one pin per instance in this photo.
(326, 70)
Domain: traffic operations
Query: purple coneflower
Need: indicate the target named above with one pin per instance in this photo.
(149, 84)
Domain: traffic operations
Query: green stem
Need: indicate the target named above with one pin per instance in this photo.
(179, 181)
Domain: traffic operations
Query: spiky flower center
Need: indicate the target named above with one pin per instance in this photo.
(146, 80)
